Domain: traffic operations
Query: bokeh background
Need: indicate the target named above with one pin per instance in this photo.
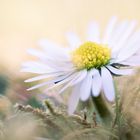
(24, 22)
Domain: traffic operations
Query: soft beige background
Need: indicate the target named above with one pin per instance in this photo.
(24, 22)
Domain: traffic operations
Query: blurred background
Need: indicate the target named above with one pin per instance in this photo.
(24, 22)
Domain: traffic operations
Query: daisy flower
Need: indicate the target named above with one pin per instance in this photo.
(87, 66)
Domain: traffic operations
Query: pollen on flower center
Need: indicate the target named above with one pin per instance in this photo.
(91, 55)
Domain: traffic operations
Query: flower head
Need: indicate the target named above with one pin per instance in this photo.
(91, 55)
(87, 66)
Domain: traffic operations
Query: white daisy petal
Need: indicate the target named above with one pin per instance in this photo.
(54, 50)
(39, 85)
(120, 71)
(73, 100)
(138, 53)
(44, 76)
(130, 48)
(127, 63)
(33, 64)
(65, 80)
(61, 66)
(34, 70)
(57, 81)
(73, 40)
(37, 78)
(130, 52)
(132, 61)
(74, 76)
(109, 30)
(44, 56)
(96, 84)
(85, 89)
(93, 33)
(134, 39)
(48, 65)
(117, 34)
(82, 75)
(36, 53)
(35, 67)
(125, 36)
(77, 77)
(108, 85)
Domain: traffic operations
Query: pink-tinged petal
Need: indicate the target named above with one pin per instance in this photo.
(73, 100)
(73, 40)
(93, 33)
(85, 89)
(96, 84)
(120, 71)
(108, 84)
(109, 30)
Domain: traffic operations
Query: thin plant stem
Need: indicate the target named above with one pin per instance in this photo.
(118, 113)
(103, 110)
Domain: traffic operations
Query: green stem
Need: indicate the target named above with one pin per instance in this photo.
(118, 113)
(103, 110)
(97, 110)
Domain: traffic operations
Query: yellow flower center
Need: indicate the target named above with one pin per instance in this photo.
(91, 55)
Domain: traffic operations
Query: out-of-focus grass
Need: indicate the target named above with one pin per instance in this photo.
(129, 89)
(23, 123)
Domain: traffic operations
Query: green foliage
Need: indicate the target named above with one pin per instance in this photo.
(34, 102)
(3, 83)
